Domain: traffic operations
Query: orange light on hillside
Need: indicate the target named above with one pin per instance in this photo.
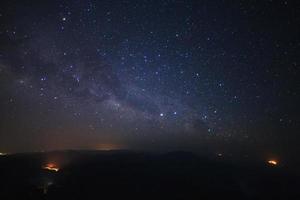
(272, 162)
(51, 167)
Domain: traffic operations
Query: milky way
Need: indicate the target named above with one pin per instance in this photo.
(148, 75)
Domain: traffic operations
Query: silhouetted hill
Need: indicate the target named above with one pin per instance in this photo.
(139, 175)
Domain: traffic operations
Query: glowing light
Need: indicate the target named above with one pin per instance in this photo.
(272, 162)
(3, 154)
(51, 167)
(108, 147)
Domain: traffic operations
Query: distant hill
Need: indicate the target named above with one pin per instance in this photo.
(126, 174)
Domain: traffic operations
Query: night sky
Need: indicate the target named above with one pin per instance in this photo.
(203, 76)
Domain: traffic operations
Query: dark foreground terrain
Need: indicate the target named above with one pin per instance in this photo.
(131, 175)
